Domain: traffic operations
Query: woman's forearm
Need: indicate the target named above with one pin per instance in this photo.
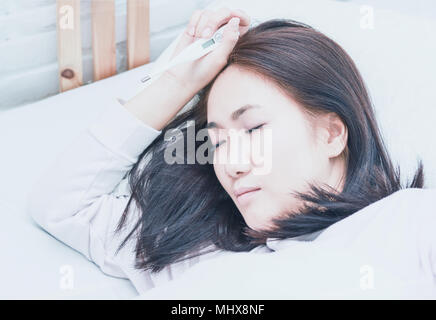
(158, 103)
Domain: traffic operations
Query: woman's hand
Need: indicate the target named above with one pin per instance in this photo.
(195, 75)
(158, 103)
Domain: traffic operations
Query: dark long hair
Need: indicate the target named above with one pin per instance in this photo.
(183, 207)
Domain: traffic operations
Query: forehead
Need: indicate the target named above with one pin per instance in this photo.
(236, 87)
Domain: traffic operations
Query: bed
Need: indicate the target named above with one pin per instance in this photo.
(395, 56)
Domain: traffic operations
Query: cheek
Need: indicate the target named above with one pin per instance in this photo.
(220, 174)
(294, 157)
(217, 171)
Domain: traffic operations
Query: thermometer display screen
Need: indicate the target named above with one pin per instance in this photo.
(208, 43)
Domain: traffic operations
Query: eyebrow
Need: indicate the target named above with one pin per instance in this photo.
(234, 116)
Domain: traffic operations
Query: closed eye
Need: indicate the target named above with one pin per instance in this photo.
(255, 128)
(248, 131)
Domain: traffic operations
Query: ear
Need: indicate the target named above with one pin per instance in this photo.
(335, 134)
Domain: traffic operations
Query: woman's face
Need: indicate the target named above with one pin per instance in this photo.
(293, 151)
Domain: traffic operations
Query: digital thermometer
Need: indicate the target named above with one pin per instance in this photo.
(194, 51)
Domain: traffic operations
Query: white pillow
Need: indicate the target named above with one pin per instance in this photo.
(396, 59)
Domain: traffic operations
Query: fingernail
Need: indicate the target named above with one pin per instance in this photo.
(206, 33)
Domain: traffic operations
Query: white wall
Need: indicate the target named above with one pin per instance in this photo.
(419, 8)
(28, 49)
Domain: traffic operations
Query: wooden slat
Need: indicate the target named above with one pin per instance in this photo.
(103, 38)
(138, 33)
(69, 44)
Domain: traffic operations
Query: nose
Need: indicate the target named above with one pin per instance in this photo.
(238, 162)
(236, 170)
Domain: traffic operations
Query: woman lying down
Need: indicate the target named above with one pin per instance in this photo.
(320, 212)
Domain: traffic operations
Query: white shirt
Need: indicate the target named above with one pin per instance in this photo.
(80, 199)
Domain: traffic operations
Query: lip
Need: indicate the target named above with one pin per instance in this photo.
(241, 191)
(244, 195)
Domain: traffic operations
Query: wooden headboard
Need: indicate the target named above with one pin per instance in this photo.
(103, 39)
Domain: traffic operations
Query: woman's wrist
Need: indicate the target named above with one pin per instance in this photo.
(158, 103)
(188, 86)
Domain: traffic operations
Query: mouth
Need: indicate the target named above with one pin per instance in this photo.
(245, 196)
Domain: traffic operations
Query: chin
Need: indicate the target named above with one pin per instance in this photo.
(258, 225)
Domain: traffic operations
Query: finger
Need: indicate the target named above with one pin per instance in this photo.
(245, 19)
(212, 20)
(245, 23)
(230, 37)
(202, 22)
(188, 34)
(193, 22)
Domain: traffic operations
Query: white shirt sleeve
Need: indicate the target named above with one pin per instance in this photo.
(74, 200)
